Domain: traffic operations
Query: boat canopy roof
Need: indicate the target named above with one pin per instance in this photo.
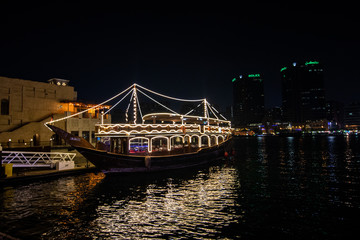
(178, 118)
(162, 117)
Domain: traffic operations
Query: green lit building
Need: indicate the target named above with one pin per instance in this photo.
(303, 95)
(248, 96)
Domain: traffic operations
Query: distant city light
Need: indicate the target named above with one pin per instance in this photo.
(311, 62)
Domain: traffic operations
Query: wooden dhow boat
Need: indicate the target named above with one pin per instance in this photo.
(162, 141)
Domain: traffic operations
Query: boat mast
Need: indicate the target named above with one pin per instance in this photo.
(204, 107)
(135, 104)
(206, 114)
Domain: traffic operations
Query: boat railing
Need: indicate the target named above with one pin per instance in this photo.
(127, 129)
(144, 128)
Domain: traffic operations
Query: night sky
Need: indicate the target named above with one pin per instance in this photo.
(179, 50)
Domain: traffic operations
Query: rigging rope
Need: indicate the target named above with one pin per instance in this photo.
(217, 111)
(133, 86)
(223, 116)
(193, 109)
(212, 110)
(78, 113)
(127, 109)
(158, 102)
(119, 101)
(173, 98)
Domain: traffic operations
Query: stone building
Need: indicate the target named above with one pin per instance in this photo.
(27, 105)
(82, 125)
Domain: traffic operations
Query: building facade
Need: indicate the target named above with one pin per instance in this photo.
(248, 99)
(335, 114)
(82, 125)
(303, 94)
(352, 116)
(27, 105)
(24, 101)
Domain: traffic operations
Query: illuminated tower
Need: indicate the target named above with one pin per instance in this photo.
(248, 96)
(303, 95)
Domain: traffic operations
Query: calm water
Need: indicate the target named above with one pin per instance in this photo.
(288, 188)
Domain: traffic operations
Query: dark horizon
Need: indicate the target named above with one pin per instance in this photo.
(189, 54)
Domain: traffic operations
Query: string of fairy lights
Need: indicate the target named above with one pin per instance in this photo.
(134, 89)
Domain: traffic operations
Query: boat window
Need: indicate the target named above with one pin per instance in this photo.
(213, 140)
(194, 141)
(138, 145)
(159, 144)
(186, 140)
(205, 141)
(176, 142)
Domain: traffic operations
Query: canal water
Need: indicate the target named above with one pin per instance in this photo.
(275, 187)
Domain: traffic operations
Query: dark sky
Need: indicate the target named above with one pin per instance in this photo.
(179, 50)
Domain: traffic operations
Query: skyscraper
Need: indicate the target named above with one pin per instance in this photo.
(248, 95)
(303, 95)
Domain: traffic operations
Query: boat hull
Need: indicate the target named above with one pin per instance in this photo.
(112, 162)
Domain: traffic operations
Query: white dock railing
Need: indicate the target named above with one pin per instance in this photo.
(35, 159)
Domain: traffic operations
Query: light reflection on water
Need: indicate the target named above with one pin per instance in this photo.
(196, 207)
(116, 206)
(35, 208)
(288, 188)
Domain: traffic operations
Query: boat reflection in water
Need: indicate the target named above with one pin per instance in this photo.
(43, 208)
(195, 204)
(198, 207)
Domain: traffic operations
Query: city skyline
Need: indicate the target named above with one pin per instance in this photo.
(103, 49)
